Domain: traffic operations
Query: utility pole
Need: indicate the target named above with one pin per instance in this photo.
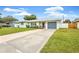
(62, 18)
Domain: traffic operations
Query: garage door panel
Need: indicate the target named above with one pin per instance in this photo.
(51, 25)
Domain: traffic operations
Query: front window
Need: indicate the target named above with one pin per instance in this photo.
(22, 23)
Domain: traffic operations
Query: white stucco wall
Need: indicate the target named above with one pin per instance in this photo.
(16, 25)
(23, 25)
(19, 25)
(46, 25)
(58, 25)
(39, 24)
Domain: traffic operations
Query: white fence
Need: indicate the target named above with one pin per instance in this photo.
(63, 25)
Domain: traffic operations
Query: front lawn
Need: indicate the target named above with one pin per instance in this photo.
(5, 31)
(63, 41)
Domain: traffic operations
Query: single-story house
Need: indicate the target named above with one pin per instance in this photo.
(46, 24)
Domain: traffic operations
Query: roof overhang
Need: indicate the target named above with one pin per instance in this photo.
(38, 21)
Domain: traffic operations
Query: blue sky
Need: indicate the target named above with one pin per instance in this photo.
(42, 12)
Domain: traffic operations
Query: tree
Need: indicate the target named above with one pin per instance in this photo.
(76, 19)
(31, 17)
(0, 21)
(8, 19)
(67, 21)
(0, 17)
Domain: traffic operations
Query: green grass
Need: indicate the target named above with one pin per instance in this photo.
(63, 41)
(5, 31)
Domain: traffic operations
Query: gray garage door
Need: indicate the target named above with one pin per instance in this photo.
(51, 25)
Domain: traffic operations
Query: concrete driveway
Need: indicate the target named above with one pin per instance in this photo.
(29, 43)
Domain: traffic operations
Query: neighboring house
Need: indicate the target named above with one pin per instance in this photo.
(3, 24)
(10, 24)
(7, 25)
(77, 23)
(46, 24)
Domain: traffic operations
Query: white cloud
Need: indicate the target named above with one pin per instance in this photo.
(71, 11)
(71, 16)
(23, 13)
(54, 11)
(57, 12)
(12, 10)
(19, 11)
(58, 8)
